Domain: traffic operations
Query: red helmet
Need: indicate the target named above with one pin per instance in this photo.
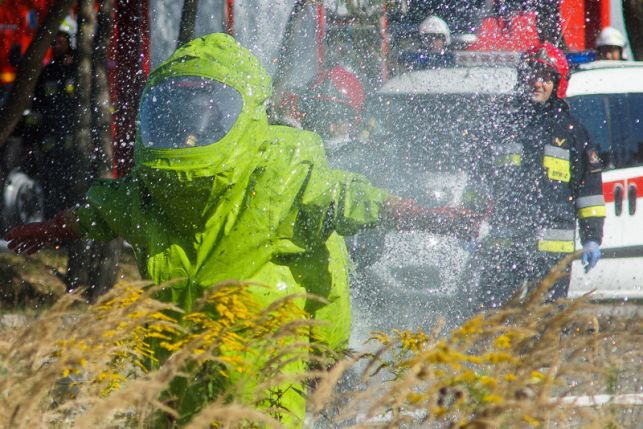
(554, 59)
(341, 86)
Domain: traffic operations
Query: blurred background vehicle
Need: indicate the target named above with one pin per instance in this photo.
(427, 128)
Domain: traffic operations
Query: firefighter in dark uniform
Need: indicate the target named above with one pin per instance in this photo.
(544, 176)
(54, 106)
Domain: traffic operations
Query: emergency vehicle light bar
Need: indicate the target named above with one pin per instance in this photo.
(583, 57)
(491, 58)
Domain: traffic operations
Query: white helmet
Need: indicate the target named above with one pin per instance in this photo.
(610, 36)
(436, 25)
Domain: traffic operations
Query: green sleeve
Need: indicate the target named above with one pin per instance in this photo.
(336, 200)
(102, 216)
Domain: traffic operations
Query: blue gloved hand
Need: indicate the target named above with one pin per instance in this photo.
(469, 245)
(591, 255)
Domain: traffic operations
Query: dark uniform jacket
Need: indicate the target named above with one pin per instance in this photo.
(57, 163)
(55, 102)
(545, 175)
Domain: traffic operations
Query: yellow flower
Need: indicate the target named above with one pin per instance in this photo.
(536, 377)
(439, 411)
(470, 327)
(498, 357)
(488, 381)
(414, 397)
(503, 342)
(510, 377)
(468, 376)
(474, 359)
(531, 421)
(492, 399)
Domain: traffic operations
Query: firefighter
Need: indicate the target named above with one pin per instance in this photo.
(544, 175)
(332, 107)
(434, 37)
(610, 44)
(54, 116)
(217, 193)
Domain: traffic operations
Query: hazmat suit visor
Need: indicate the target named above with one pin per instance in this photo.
(187, 111)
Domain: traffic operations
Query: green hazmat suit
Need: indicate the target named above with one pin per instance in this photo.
(261, 204)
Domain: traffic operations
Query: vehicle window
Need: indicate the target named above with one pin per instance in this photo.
(633, 130)
(416, 137)
(433, 132)
(615, 124)
(592, 111)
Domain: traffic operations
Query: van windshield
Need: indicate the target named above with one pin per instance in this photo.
(435, 132)
(415, 144)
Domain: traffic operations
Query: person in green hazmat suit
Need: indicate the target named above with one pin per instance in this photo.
(217, 193)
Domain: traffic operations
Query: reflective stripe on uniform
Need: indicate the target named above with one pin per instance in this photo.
(509, 154)
(594, 211)
(589, 201)
(557, 234)
(514, 159)
(556, 240)
(555, 246)
(556, 161)
(556, 152)
(591, 206)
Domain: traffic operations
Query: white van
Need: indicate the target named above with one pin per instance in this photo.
(424, 130)
(607, 97)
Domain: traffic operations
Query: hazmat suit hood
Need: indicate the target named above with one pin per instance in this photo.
(186, 182)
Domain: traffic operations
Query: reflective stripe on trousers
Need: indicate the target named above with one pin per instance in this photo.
(556, 240)
(548, 240)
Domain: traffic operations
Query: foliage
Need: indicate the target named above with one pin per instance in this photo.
(117, 363)
(131, 361)
(530, 364)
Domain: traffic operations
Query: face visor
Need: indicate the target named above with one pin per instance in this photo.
(187, 111)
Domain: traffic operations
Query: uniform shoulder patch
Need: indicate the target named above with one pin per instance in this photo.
(594, 160)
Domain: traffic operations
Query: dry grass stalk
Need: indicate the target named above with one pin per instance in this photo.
(112, 365)
(509, 368)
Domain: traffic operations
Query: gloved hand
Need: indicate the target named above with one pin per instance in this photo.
(31, 237)
(470, 245)
(591, 255)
